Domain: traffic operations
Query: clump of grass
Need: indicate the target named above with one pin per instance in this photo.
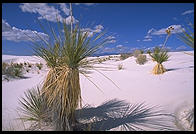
(13, 70)
(148, 52)
(137, 52)
(110, 57)
(141, 59)
(39, 66)
(125, 56)
(100, 60)
(120, 67)
(4, 67)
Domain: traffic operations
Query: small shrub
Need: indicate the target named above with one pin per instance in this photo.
(100, 60)
(39, 66)
(16, 65)
(141, 59)
(25, 63)
(14, 70)
(4, 67)
(120, 67)
(125, 56)
(142, 51)
(136, 53)
(148, 52)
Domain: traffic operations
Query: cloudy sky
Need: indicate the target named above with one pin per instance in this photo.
(129, 26)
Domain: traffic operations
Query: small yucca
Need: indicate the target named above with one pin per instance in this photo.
(33, 107)
(159, 56)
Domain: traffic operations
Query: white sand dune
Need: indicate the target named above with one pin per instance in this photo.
(172, 90)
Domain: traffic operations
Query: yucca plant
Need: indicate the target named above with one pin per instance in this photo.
(187, 35)
(34, 108)
(66, 58)
(160, 57)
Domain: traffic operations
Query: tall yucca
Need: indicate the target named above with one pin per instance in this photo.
(66, 58)
(160, 55)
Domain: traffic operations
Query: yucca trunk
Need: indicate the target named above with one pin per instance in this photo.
(62, 89)
(158, 69)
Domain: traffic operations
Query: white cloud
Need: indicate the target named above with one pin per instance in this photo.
(126, 42)
(64, 8)
(17, 35)
(147, 39)
(5, 26)
(177, 29)
(187, 12)
(87, 4)
(150, 31)
(68, 20)
(97, 29)
(138, 40)
(182, 47)
(110, 37)
(119, 46)
(46, 12)
(111, 41)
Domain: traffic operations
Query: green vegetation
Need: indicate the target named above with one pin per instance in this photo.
(66, 58)
(187, 36)
(39, 66)
(34, 108)
(125, 56)
(13, 70)
(137, 52)
(141, 59)
(159, 56)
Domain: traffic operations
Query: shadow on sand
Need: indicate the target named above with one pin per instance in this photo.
(116, 113)
(173, 69)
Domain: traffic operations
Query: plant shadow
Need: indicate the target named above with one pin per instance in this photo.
(117, 113)
(173, 69)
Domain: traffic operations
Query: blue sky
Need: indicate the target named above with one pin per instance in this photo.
(129, 25)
